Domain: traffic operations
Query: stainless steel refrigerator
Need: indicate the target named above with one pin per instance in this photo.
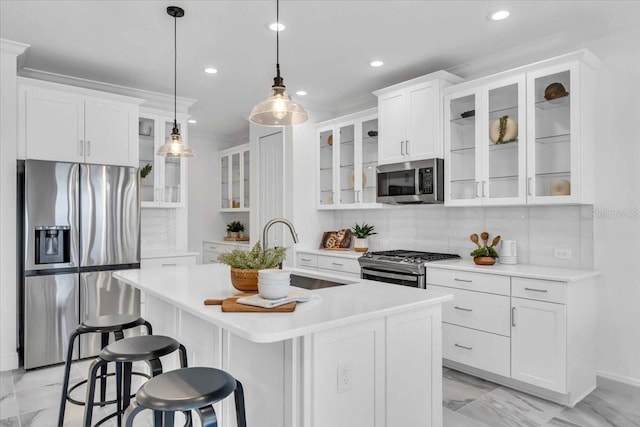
(77, 223)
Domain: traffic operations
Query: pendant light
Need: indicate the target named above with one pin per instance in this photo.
(278, 109)
(175, 147)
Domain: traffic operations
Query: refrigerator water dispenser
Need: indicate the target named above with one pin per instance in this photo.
(52, 244)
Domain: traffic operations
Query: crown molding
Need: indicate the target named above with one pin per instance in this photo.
(153, 100)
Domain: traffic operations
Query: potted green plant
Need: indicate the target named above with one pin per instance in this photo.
(361, 232)
(245, 264)
(145, 170)
(234, 228)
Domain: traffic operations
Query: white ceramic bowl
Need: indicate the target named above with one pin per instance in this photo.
(274, 273)
(273, 291)
(284, 280)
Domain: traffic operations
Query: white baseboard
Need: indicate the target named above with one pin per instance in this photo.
(616, 382)
(8, 362)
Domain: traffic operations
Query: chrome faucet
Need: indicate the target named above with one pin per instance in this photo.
(268, 225)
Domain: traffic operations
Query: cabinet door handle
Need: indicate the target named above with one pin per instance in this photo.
(169, 264)
(484, 187)
(462, 280)
(406, 146)
(88, 148)
(513, 316)
(529, 186)
(337, 263)
(81, 148)
(535, 290)
(305, 259)
(463, 346)
(477, 189)
(402, 148)
(462, 308)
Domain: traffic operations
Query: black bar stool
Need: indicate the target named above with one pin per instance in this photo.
(124, 352)
(104, 325)
(189, 389)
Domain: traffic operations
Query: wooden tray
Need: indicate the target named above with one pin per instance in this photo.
(237, 239)
(230, 305)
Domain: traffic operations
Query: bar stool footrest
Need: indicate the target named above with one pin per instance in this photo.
(101, 377)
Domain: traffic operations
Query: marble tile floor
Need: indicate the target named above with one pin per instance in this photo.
(31, 399)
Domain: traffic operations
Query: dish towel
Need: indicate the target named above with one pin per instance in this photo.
(299, 295)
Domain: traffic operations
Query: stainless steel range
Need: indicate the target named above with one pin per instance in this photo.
(400, 267)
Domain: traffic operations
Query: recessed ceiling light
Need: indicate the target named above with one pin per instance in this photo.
(275, 26)
(192, 121)
(499, 15)
(210, 70)
(301, 92)
(376, 63)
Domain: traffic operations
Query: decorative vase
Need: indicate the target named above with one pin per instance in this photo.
(233, 234)
(360, 244)
(484, 260)
(244, 280)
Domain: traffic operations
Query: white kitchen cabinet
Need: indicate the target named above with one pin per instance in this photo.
(410, 118)
(166, 184)
(345, 265)
(235, 184)
(529, 333)
(211, 250)
(552, 157)
(539, 343)
(480, 171)
(67, 124)
(348, 156)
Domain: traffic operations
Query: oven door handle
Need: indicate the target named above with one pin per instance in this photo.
(389, 275)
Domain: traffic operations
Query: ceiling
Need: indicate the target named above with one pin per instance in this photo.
(325, 49)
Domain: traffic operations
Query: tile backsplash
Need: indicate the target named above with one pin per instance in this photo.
(537, 230)
(158, 229)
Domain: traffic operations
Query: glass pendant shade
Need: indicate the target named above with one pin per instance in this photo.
(174, 147)
(278, 110)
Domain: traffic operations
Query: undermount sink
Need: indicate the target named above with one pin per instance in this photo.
(314, 283)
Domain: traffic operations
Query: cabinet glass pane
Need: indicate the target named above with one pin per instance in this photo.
(247, 173)
(172, 166)
(502, 142)
(347, 165)
(369, 160)
(146, 137)
(224, 183)
(463, 148)
(553, 135)
(326, 167)
(235, 180)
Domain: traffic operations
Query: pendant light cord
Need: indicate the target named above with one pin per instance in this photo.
(278, 42)
(175, 74)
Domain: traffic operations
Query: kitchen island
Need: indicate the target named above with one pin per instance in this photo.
(364, 354)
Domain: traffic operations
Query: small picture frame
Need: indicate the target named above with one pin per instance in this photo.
(339, 240)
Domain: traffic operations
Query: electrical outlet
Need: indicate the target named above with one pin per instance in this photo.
(345, 375)
(561, 253)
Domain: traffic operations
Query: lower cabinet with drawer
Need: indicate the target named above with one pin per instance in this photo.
(533, 334)
(333, 264)
(211, 250)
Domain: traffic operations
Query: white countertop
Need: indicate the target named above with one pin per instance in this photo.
(341, 254)
(165, 253)
(186, 287)
(519, 270)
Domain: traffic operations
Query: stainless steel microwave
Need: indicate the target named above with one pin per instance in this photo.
(420, 181)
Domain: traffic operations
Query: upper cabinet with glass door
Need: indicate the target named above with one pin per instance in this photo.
(508, 144)
(484, 149)
(560, 157)
(347, 160)
(162, 179)
(235, 174)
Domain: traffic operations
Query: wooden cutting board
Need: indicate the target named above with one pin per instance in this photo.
(231, 305)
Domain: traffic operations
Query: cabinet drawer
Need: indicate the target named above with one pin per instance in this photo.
(307, 260)
(168, 261)
(541, 290)
(210, 257)
(478, 349)
(482, 282)
(219, 247)
(486, 312)
(339, 264)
